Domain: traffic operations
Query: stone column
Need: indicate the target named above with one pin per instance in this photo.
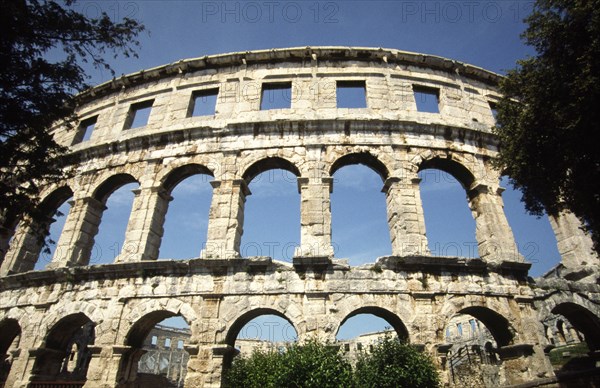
(574, 245)
(145, 227)
(315, 217)
(76, 241)
(25, 247)
(226, 219)
(405, 216)
(495, 239)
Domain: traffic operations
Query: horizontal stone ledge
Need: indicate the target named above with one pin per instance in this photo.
(510, 352)
(223, 350)
(437, 264)
(254, 266)
(296, 127)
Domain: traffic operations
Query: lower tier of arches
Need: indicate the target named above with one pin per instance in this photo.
(86, 325)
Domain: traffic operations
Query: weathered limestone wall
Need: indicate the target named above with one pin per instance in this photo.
(215, 296)
(220, 291)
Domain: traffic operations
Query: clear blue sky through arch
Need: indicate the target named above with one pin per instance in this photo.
(482, 33)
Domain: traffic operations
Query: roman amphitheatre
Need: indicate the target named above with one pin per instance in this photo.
(76, 323)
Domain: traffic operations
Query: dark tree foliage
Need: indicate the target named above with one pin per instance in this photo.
(549, 118)
(395, 364)
(36, 92)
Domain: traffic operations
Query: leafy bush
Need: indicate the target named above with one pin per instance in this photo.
(393, 363)
(313, 365)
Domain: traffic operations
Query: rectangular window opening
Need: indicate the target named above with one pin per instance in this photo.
(204, 102)
(138, 114)
(167, 342)
(276, 95)
(427, 99)
(180, 344)
(154, 340)
(85, 129)
(351, 94)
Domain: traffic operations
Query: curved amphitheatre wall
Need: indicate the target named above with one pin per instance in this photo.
(220, 291)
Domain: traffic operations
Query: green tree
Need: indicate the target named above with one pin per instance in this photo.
(391, 363)
(311, 365)
(549, 115)
(36, 92)
(395, 364)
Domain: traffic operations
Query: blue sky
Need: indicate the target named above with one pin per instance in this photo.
(482, 33)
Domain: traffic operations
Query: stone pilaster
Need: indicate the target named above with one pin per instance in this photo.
(145, 227)
(495, 239)
(405, 216)
(76, 241)
(574, 244)
(315, 217)
(25, 247)
(226, 219)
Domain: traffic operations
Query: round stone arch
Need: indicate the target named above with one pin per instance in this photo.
(172, 177)
(54, 197)
(242, 319)
(489, 314)
(583, 320)
(66, 340)
(30, 231)
(379, 162)
(581, 313)
(266, 163)
(393, 319)
(58, 312)
(136, 311)
(140, 319)
(457, 165)
(133, 314)
(110, 184)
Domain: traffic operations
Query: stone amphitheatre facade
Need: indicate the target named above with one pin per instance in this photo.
(42, 313)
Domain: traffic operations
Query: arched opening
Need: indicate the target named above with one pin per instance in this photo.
(117, 196)
(448, 220)
(473, 336)
(65, 354)
(272, 212)
(186, 221)
(378, 316)
(360, 330)
(9, 342)
(272, 326)
(261, 329)
(33, 244)
(49, 252)
(582, 320)
(157, 356)
(534, 236)
(360, 231)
